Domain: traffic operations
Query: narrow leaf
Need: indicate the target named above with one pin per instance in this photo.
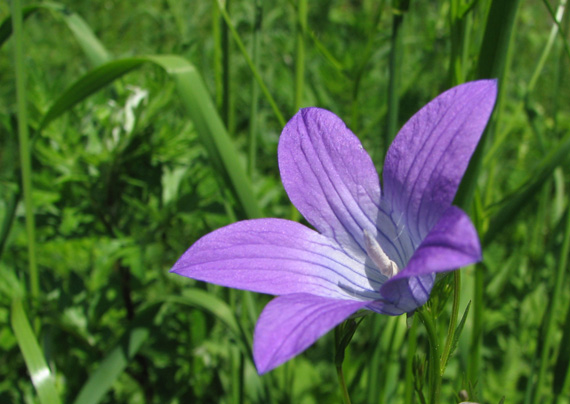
(85, 37)
(117, 360)
(40, 373)
(217, 307)
(458, 331)
(90, 83)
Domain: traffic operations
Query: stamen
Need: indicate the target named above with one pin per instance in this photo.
(386, 266)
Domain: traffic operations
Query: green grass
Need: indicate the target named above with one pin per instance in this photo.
(142, 140)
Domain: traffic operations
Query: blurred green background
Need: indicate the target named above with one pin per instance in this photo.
(151, 123)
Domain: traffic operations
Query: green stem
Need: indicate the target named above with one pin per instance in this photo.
(25, 159)
(394, 72)
(340, 375)
(300, 53)
(427, 319)
(474, 353)
(254, 89)
(546, 51)
(249, 62)
(227, 110)
(557, 22)
(218, 74)
(455, 68)
(452, 321)
(409, 380)
(554, 303)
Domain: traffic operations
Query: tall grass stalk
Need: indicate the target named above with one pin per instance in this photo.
(227, 95)
(553, 33)
(399, 8)
(557, 22)
(555, 302)
(253, 118)
(217, 55)
(494, 57)
(459, 28)
(249, 62)
(434, 375)
(300, 53)
(23, 135)
(409, 376)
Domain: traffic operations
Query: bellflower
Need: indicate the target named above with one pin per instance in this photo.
(371, 250)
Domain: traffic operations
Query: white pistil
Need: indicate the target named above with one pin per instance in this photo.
(386, 266)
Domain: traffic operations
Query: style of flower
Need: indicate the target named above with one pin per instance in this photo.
(371, 250)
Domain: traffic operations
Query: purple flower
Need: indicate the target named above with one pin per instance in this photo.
(371, 250)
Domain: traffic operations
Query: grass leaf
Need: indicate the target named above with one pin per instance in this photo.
(40, 373)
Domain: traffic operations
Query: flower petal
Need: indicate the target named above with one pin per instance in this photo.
(277, 256)
(331, 179)
(452, 243)
(430, 154)
(290, 324)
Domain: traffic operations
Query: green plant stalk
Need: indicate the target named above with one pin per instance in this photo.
(378, 325)
(383, 360)
(456, 27)
(554, 302)
(546, 51)
(253, 119)
(409, 378)
(475, 349)
(227, 95)
(394, 80)
(494, 57)
(434, 360)
(217, 37)
(557, 22)
(25, 159)
(300, 53)
(249, 62)
(452, 322)
(340, 375)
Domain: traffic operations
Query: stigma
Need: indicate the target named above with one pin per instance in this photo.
(386, 266)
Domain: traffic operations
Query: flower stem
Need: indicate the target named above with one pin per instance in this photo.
(342, 335)
(412, 343)
(452, 321)
(427, 318)
(25, 159)
(340, 374)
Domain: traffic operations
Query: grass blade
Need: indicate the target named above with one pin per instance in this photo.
(40, 373)
(89, 84)
(92, 47)
(215, 306)
(25, 155)
(101, 381)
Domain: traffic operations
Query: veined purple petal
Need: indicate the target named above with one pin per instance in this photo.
(429, 156)
(331, 179)
(277, 257)
(451, 244)
(290, 324)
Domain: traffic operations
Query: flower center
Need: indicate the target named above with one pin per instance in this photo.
(386, 266)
